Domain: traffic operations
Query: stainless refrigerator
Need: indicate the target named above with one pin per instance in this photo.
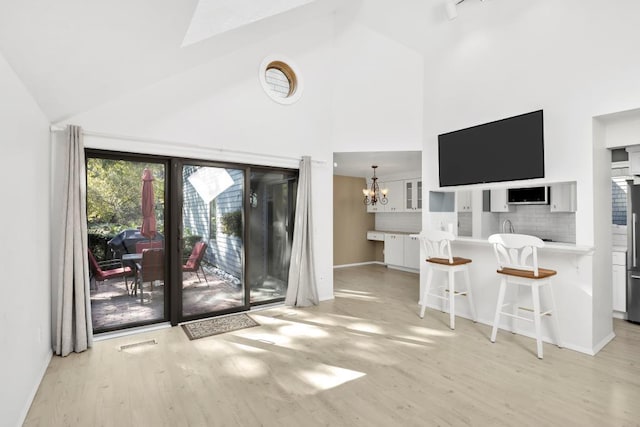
(633, 254)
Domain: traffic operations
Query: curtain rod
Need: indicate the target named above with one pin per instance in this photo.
(54, 128)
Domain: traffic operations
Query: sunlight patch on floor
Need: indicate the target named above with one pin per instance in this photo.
(339, 294)
(325, 377)
(421, 330)
(274, 338)
(365, 327)
(351, 291)
(418, 334)
(250, 348)
(302, 330)
(245, 367)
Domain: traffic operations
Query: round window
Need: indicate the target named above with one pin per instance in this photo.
(280, 81)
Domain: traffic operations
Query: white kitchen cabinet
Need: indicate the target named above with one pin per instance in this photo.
(619, 281)
(394, 249)
(378, 207)
(413, 195)
(395, 196)
(463, 201)
(375, 235)
(412, 252)
(499, 199)
(563, 197)
(634, 159)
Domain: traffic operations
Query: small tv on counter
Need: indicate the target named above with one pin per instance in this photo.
(510, 149)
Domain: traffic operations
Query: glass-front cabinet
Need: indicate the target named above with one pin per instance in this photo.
(413, 195)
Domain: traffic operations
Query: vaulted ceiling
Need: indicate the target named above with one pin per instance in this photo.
(73, 55)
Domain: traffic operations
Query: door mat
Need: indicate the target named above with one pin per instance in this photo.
(218, 325)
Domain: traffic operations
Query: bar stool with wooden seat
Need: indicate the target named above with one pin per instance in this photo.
(517, 256)
(436, 245)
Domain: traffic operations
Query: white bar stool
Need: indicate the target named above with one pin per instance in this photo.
(437, 245)
(517, 256)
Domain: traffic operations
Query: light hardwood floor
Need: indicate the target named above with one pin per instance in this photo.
(363, 359)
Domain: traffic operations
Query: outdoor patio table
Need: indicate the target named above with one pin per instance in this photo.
(133, 260)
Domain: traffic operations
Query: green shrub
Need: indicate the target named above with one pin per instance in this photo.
(232, 223)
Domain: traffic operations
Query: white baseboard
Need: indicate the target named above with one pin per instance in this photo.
(395, 267)
(131, 331)
(358, 264)
(34, 390)
(408, 270)
(619, 315)
(599, 346)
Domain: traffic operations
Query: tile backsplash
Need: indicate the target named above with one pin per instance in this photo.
(410, 222)
(538, 220)
(619, 235)
(464, 224)
(619, 188)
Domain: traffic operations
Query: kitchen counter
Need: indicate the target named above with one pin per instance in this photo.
(548, 246)
(573, 289)
(379, 235)
(393, 232)
(401, 249)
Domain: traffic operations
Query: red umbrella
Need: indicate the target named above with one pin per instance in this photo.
(148, 229)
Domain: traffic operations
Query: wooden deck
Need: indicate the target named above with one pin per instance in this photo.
(112, 307)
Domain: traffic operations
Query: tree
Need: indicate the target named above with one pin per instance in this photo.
(114, 189)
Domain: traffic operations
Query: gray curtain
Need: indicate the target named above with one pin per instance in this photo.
(302, 289)
(72, 310)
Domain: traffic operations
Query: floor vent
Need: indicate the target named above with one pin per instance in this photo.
(138, 344)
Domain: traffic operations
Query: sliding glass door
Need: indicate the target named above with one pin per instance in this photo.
(176, 240)
(271, 208)
(125, 216)
(212, 236)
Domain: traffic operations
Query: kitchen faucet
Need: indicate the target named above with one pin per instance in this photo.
(511, 229)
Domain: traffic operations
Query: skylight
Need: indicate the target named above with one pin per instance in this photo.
(213, 17)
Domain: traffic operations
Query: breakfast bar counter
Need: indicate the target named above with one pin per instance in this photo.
(548, 246)
(573, 290)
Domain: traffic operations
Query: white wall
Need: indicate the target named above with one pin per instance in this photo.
(222, 106)
(602, 271)
(499, 59)
(25, 314)
(498, 55)
(362, 92)
(377, 93)
(621, 129)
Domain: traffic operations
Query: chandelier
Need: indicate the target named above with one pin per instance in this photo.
(373, 195)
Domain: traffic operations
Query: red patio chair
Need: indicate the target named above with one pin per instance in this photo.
(150, 268)
(101, 271)
(155, 244)
(194, 262)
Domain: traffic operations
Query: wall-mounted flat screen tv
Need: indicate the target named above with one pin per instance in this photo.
(505, 150)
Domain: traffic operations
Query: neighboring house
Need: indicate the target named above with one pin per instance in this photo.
(206, 220)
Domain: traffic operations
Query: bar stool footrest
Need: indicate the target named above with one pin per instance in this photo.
(515, 316)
